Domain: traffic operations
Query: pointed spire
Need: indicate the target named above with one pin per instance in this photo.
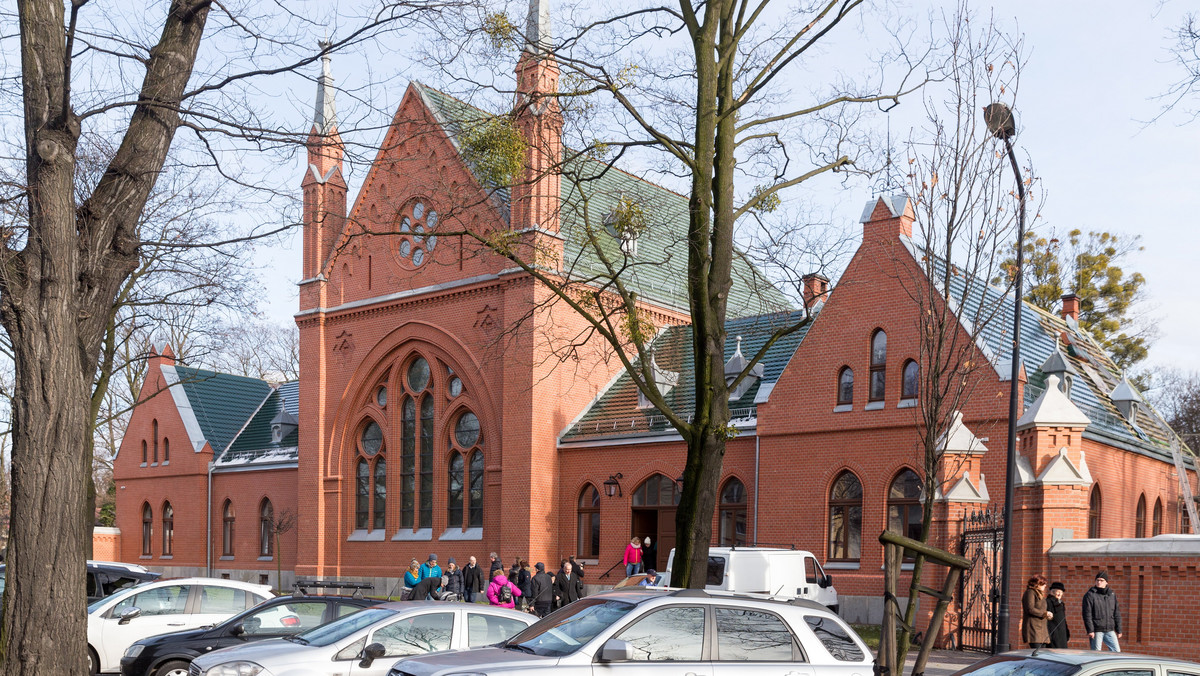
(325, 114)
(537, 26)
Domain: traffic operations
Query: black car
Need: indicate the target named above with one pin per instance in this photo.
(171, 654)
(106, 578)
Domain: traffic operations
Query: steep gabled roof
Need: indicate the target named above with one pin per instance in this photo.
(590, 190)
(220, 402)
(255, 441)
(616, 413)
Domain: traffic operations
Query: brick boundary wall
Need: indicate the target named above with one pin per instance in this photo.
(106, 544)
(1157, 581)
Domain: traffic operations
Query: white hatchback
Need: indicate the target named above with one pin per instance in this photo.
(117, 621)
(368, 642)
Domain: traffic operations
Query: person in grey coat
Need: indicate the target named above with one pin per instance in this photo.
(1102, 615)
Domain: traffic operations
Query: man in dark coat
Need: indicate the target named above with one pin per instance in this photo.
(426, 589)
(496, 565)
(1060, 633)
(568, 588)
(472, 580)
(541, 590)
(1102, 615)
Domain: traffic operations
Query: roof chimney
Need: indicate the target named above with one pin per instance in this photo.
(1070, 307)
(887, 218)
(816, 289)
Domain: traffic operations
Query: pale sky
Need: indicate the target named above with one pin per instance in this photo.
(1089, 87)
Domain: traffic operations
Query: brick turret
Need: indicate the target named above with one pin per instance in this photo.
(324, 186)
(535, 199)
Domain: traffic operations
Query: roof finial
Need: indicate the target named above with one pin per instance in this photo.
(537, 26)
(325, 114)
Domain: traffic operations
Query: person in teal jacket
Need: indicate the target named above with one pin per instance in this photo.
(431, 568)
(412, 576)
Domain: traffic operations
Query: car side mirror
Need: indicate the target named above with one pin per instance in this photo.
(128, 614)
(616, 650)
(237, 629)
(827, 582)
(372, 653)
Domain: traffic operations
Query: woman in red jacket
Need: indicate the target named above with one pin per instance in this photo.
(633, 557)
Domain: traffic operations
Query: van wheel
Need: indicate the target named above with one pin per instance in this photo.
(173, 668)
(93, 662)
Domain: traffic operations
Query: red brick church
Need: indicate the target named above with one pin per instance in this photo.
(433, 413)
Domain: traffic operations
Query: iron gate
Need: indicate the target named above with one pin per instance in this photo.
(979, 588)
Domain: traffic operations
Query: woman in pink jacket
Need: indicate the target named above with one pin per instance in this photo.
(494, 591)
(633, 557)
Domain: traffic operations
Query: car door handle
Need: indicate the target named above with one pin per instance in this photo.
(175, 624)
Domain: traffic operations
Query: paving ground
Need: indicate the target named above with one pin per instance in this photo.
(945, 662)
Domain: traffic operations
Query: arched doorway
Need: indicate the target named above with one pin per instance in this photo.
(654, 505)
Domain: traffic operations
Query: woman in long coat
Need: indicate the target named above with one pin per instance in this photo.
(1060, 633)
(1033, 629)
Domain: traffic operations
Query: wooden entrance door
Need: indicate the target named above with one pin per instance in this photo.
(655, 501)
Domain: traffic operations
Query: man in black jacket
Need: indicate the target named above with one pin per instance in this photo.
(427, 589)
(541, 590)
(496, 565)
(1102, 615)
(472, 580)
(568, 588)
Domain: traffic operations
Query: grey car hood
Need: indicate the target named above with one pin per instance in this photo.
(273, 650)
(479, 659)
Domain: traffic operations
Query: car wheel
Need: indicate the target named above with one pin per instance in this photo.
(173, 668)
(93, 662)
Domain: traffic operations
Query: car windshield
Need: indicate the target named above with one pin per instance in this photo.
(566, 630)
(95, 605)
(1015, 665)
(341, 628)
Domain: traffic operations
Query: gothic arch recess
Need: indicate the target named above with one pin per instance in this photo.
(385, 364)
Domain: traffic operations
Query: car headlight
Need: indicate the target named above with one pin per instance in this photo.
(134, 650)
(237, 669)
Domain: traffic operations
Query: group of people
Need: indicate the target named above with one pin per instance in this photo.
(1045, 620)
(529, 588)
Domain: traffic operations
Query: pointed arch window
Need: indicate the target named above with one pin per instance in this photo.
(370, 478)
(465, 494)
(145, 452)
(266, 528)
(408, 462)
(168, 526)
(426, 459)
(1094, 513)
(1139, 519)
(845, 518)
(845, 390)
(732, 522)
(877, 386)
(362, 494)
(227, 522)
(1156, 523)
(588, 533)
(147, 530)
(910, 380)
(166, 450)
(154, 440)
(379, 495)
(904, 506)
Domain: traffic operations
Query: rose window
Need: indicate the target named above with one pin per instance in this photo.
(415, 241)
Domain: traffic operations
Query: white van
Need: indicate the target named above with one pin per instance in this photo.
(778, 573)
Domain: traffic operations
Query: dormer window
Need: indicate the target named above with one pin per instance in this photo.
(626, 224)
(736, 364)
(1126, 399)
(282, 425)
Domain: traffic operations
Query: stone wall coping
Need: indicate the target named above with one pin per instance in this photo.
(1160, 545)
(105, 530)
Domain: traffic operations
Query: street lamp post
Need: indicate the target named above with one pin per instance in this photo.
(1002, 125)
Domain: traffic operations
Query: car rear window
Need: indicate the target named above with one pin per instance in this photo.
(835, 637)
(1002, 665)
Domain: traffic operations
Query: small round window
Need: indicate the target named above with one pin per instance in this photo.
(418, 375)
(381, 397)
(372, 439)
(416, 238)
(466, 430)
(455, 386)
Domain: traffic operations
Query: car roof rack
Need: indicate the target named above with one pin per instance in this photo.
(691, 594)
(301, 587)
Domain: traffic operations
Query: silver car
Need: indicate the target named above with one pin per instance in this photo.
(368, 642)
(686, 632)
(1044, 662)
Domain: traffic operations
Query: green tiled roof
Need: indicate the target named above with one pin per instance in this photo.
(255, 442)
(221, 402)
(589, 194)
(616, 413)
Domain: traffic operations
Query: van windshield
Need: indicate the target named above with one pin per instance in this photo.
(567, 630)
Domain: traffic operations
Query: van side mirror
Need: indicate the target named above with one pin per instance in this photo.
(827, 582)
(128, 614)
(371, 653)
(616, 650)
